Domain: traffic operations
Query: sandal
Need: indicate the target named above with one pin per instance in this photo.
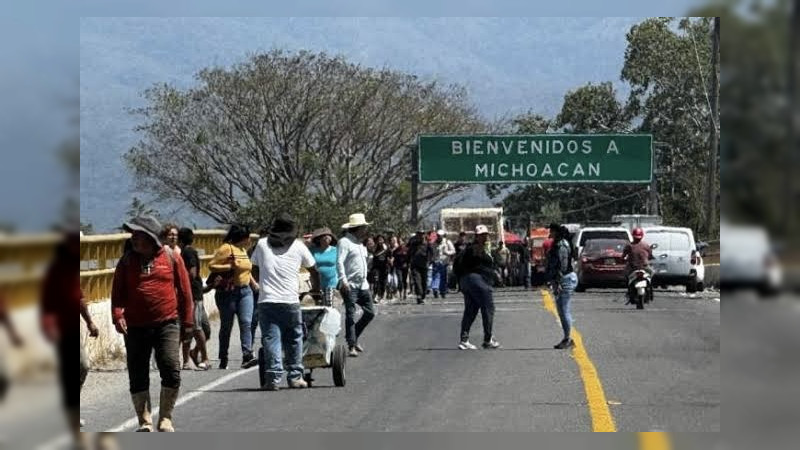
(203, 366)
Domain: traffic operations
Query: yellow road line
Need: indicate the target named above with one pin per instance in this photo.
(654, 441)
(602, 420)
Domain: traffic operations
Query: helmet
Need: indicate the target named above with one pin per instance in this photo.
(638, 233)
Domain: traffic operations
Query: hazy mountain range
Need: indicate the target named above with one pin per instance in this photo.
(508, 65)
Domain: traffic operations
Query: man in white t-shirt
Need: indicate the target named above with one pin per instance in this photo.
(279, 257)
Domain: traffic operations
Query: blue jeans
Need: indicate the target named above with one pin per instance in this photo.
(237, 303)
(281, 335)
(363, 298)
(439, 278)
(567, 284)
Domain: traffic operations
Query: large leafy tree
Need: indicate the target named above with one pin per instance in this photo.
(668, 66)
(587, 109)
(306, 133)
(756, 152)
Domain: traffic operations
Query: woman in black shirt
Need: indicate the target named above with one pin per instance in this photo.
(476, 269)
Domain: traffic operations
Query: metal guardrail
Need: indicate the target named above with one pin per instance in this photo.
(24, 259)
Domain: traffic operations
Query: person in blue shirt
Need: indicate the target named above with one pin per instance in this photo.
(323, 248)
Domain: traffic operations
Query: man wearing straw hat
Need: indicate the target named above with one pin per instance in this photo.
(351, 265)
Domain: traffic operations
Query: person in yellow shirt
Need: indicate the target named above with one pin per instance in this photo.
(234, 293)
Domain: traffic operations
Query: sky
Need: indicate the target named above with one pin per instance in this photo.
(42, 48)
(508, 66)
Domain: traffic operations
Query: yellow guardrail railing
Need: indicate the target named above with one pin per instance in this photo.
(24, 259)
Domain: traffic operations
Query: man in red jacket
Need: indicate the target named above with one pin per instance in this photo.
(151, 303)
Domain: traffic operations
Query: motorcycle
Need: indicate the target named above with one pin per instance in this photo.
(640, 288)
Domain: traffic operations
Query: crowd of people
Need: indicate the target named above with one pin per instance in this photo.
(157, 294)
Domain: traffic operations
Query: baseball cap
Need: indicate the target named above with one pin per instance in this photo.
(481, 229)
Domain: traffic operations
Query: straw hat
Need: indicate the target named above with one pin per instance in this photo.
(356, 220)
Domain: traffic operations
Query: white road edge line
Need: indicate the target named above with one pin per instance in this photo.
(64, 440)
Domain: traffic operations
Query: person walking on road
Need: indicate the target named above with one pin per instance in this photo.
(400, 255)
(234, 296)
(420, 254)
(324, 252)
(61, 299)
(380, 267)
(351, 264)
(564, 282)
(502, 259)
(444, 252)
(192, 261)
(151, 306)
(279, 258)
(170, 238)
(475, 268)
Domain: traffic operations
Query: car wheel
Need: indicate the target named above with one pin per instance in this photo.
(691, 287)
(768, 291)
(580, 288)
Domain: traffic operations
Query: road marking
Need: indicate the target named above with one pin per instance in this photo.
(133, 422)
(654, 441)
(602, 420)
(64, 441)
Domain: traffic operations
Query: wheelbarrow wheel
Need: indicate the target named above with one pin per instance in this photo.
(339, 362)
(261, 362)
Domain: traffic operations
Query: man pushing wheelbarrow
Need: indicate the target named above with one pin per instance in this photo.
(279, 257)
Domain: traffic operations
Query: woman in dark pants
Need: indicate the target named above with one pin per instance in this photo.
(476, 268)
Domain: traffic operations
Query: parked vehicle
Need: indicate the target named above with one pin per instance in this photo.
(601, 264)
(455, 220)
(586, 233)
(537, 237)
(631, 221)
(747, 259)
(678, 261)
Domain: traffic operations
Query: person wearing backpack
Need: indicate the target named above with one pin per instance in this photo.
(563, 282)
(444, 252)
(421, 255)
(152, 307)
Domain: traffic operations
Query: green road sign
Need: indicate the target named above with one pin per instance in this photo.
(536, 158)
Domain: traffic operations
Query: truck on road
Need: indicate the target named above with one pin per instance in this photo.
(455, 220)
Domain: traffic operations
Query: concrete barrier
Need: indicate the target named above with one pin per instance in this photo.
(108, 350)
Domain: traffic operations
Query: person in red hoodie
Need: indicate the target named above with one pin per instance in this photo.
(61, 301)
(151, 306)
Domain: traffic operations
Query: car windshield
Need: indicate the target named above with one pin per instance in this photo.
(607, 234)
(604, 246)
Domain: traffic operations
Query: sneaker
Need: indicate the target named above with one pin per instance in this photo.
(83, 423)
(491, 344)
(223, 364)
(270, 387)
(298, 383)
(249, 361)
(359, 348)
(465, 345)
(353, 353)
(565, 344)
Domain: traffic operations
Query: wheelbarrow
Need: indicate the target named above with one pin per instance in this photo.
(321, 326)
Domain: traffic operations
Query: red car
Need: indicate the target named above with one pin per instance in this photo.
(601, 264)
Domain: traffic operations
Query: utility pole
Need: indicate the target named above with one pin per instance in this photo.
(711, 192)
(653, 204)
(790, 186)
(414, 183)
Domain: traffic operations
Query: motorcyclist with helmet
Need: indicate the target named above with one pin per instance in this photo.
(637, 256)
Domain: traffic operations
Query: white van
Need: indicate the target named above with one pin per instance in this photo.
(677, 258)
